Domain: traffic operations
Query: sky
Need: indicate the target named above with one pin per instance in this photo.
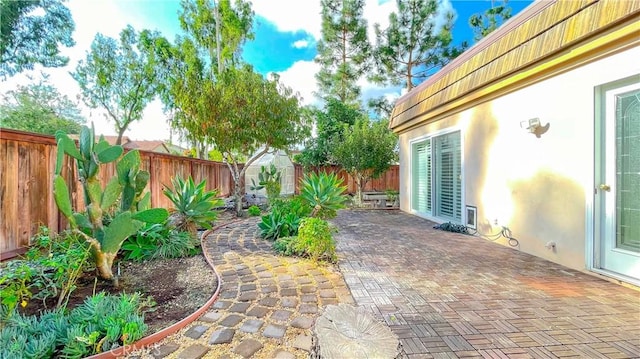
(286, 33)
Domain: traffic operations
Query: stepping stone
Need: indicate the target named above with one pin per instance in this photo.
(164, 350)
(289, 302)
(303, 342)
(281, 354)
(344, 331)
(308, 309)
(231, 320)
(309, 298)
(211, 317)
(308, 289)
(222, 336)
(304, 280)
(288, 292)
(325, 285)
(247, 296)
(302, 322)
(260, 268)
(287, 284)
(196, 332)
(327, 293)
(195, 351)
(221, 304)
(265, 274)
(269, 301)
(247, 287)
(239, 307)
(281, 315)
(269, 289)
(248, 279)
(284, 277)
(274, 331)
(330, 301)
(228, 294)
(248, 347)
(258, 312)
(251, 326)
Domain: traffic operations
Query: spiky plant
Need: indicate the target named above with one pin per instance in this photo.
(193, 205)
(324, 193)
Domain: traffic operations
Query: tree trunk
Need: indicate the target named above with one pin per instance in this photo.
(120, 134)
(358, 179)
(104, 262)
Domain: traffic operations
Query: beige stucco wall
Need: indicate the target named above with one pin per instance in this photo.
(537, 187)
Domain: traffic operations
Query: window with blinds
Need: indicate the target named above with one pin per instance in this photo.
(437, 177)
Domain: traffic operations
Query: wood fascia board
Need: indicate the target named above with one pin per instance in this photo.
(625, 36)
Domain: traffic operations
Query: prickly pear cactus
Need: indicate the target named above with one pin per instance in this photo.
(127, 188)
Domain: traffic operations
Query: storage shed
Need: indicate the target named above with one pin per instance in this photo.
(282, 162)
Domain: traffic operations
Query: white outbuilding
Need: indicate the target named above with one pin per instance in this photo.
(283, 163)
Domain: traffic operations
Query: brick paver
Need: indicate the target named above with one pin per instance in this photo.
(449, 295)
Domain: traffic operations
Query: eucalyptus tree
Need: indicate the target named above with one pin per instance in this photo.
(343, 50)
(414, 45)
(218, 28)
(119, 76)
(31, 32)
(483, 24)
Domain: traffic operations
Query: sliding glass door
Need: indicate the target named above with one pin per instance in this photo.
(437, 177)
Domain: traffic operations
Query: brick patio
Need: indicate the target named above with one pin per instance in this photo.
(448, 295)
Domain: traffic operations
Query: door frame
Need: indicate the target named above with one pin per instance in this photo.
(593, 246)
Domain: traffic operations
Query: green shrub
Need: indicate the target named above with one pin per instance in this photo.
(159, 241)
(270, 180)
(284, 218)
(193, 205)
(284, 245)
(101, 323)
(324, 193)
(314, 240)
(254, 211)
(49, 269)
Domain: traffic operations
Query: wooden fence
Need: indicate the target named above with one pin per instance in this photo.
(26, 177)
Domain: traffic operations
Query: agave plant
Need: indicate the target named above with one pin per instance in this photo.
(324, 193)
(193, 205)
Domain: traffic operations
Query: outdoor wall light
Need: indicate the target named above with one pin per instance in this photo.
(534, 126)
(531, 125)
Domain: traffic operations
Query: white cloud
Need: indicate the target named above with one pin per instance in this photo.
(291, 15)
(301, 78)
(301, 44)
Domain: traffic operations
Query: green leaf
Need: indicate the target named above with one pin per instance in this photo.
(70, 148)
(61, 196)
(86, 141)
(59, 158)
(118, 230)
(82, 221)
(94, 190)
(111, 193)
(110, 154)
(145, 202)
(130, 161)
(154, 215)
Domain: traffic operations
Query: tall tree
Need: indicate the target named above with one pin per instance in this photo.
(31, 32)
(119, 76)
(366, 151)
(343, 51)
(240, 113)
(219, 29)
(483, 24)
(414, 45)
(39, 107)
(330, 124)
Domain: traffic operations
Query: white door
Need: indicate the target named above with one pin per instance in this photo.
(618, 180)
